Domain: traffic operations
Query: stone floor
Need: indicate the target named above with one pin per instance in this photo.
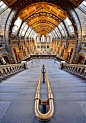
(17, 95)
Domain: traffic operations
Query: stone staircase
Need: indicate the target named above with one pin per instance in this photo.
(17, 95)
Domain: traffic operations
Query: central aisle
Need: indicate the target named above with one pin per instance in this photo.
(17, 95)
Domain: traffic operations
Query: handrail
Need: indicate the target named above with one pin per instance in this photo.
(49, 114)
(7, 70)
(77, 69)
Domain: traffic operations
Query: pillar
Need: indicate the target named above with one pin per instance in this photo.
(66, 42)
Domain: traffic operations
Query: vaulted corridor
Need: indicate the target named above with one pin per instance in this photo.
(18, 91)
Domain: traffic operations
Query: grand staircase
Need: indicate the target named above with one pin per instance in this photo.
(17, 94)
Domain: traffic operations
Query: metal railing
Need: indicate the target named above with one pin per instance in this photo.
(49, 114)
(76, 69)
(7, 70)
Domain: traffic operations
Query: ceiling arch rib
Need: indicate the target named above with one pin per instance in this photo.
(43, 21)
(24, 28)
(42, 8)
(21, 28)
(30, 33)
(64, 29)
(43, 27)
(33, 34)
(26, 31)
(56, 33)
(53, 35)
(52, 20)
(69, 26)
(42, 17)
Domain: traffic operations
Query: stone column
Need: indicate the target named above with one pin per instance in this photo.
(36, 42)
(40, 41)
(66, 42)
(19, 38)
(25, 42)
(46, 42)
(56, 44)
(60, 40)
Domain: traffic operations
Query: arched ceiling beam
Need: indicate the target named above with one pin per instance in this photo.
(40, 28)
(56, 33)
(59, 31)
(66, 28)
(26, 31)
(43, 25)
(42, 7)
(49, 14)
(43, 21)
(63, 28)
(52, 34)
(41, 14)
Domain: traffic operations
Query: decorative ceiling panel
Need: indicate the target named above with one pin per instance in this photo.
(43, 16)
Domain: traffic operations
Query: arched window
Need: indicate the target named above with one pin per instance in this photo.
(28, 32)
(43, 38)
(61, 29)
(48, 39)
(16, 26)
(24, 30)
(69, 26)
(57, 31)
(37, 39)
(3, 6)
(21, 30)
(84, 2)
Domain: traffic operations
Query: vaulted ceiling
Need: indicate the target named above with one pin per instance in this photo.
(42, 17)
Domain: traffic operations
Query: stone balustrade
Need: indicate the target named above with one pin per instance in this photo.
(77, 69)
(7, 70)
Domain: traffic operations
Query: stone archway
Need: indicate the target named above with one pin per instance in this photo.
(81, 60)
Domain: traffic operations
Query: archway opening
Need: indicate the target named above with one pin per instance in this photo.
(81, 60)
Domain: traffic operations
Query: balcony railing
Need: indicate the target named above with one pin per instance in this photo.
(76, 69)
(7, 70)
